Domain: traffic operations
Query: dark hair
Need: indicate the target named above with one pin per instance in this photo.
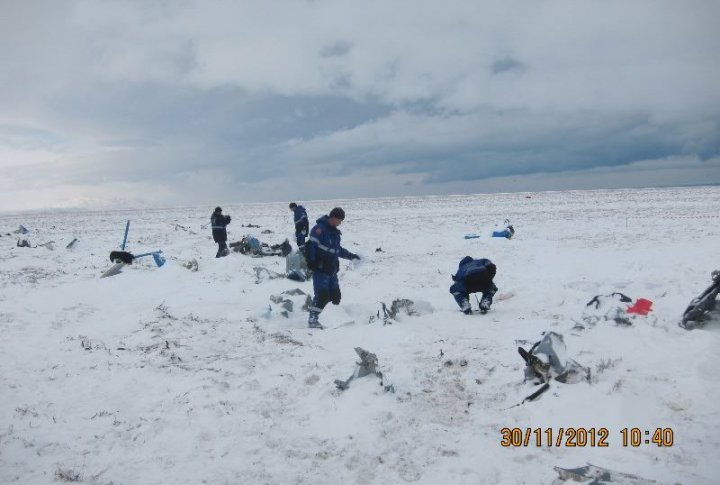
(218, 209)
(338, 213)
(292, 205)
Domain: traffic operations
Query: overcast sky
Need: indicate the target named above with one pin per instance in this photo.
(184, 102)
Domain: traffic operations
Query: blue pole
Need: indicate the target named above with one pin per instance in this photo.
(146, 254)
(159, 260)
(127, 228)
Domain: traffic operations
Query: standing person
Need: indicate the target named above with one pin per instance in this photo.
(218, 221)
(301, 225)
(323, 250)
(474, 275)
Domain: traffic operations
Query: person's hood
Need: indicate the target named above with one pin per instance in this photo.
(465, 260)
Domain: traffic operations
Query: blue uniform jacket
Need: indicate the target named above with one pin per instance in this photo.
(473, 267)
(324, 249)
(301, 220)
(218, 222)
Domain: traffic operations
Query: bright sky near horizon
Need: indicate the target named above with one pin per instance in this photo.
(131, 103)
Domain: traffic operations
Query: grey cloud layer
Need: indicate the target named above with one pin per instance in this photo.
(462, 90)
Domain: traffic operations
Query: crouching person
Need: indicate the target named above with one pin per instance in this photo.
(322, 252)
(473, 276)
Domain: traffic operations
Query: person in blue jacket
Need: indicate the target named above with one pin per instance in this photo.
(218, 221)
(473, 276)
(301, 225)
(322, 252)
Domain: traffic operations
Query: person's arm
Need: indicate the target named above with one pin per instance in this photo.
(345, 254)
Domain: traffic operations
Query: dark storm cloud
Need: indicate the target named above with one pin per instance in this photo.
(292, 96)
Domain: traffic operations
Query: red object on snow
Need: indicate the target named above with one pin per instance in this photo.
(641, 307)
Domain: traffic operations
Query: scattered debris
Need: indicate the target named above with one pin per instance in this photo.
(23, 243)
(128, 258)
(532, 397)
(249, 225)
(379, 250)
(640, 307)
(507, 233)
(607, 308)
(700, 308)
(252, 246)
(613, 307)
(183, 228)
(72, 243)
(113, 270)
(296, 267)
(399, 307)
(548, 359)
(266, 231)
(367, 365)
(288, 302)
(123, 258)
(595, 475)
(21, 230)
(262, 273)
(192, 265)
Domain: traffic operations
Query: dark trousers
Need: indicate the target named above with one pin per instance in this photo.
(326, 288)
(222, 249)
(460, 292)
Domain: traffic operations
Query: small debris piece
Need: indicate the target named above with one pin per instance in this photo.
(113, 270)
(400, 305)
(367, 365)
(49, 245)
(595, 475)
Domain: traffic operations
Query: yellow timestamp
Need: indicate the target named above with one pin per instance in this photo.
(584, 437)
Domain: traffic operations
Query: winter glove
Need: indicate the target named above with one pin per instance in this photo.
(227, 219)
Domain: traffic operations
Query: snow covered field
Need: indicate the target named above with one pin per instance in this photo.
(166, 375)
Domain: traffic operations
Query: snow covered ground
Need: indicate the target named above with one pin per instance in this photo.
(166, 375)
